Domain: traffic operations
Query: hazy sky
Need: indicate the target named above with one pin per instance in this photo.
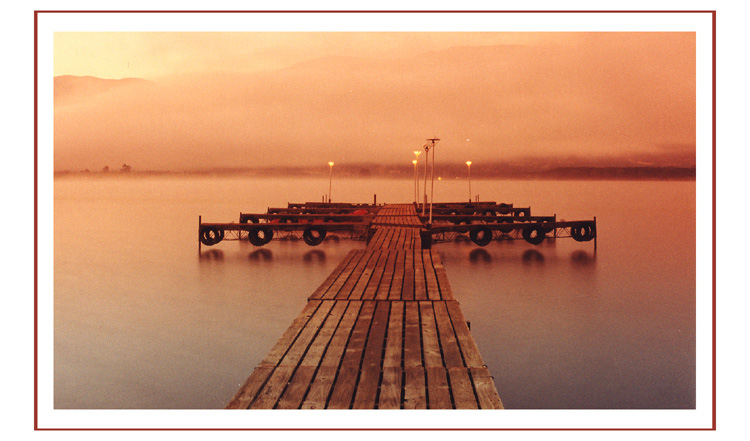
(250, 99)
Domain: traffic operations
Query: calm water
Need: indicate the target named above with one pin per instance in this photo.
(143, 321)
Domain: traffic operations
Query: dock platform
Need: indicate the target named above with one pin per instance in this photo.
(383, 331)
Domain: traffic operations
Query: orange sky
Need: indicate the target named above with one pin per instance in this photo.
(250, 99)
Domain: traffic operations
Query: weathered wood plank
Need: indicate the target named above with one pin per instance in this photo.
(461, 388)
(431, 282)
(346, 381)
(407, 290)
(247, 393)
(394, 343)
(320, 388)
(276, 353)
(485, 389)
(318, 293)
(356, 274)
(367, 387)
(377, 277)
(469, 349)
(398, 276)
(295, 391)
(430, 344)
(390, 388)
(343, 276)
(445, 288)
(364, 280)
(438, 392)
(412, 336)
(415, 390)
(448, 341)
(385, 282)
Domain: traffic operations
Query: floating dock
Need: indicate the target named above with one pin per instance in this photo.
(383, 331)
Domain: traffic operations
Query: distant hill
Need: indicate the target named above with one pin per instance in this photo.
(75, 87)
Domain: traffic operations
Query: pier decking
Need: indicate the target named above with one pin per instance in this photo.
(383, 331)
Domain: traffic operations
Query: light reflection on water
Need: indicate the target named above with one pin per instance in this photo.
(142, 320)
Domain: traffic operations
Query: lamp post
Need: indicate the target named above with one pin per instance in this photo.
(426, 160)
(330, 180)
(468, 164)
(416, 176)
(432, 141)
(414, 161)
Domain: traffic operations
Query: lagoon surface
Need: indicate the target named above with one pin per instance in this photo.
(143, 321)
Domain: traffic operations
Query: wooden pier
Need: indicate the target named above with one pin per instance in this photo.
(383, 331)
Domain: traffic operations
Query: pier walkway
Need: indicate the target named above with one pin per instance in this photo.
(383, 331)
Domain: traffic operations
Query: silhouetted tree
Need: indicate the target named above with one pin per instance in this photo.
(125, 168)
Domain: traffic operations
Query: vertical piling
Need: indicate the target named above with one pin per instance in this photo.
(199, 234)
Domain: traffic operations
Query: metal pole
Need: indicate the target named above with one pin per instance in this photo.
(468, 164)
(432, 183)
(199, 234)
(415, 180)
(330, 180)
(424, 205)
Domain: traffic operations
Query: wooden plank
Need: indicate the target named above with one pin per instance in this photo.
(438, 392)
(430, 344)
(462, 389)
(367, 387)
(346, 380)
(356, 274)
(420, 287)
(390, 388)
(384, 286)
(448, 342)
(433, 292)
(412, 336)
(300, 345)
(317, 397)
(274, 387)
(469, 348)
(318, 293)
(407, 290)
(364, 280)
(415, 390)
(295, 391)
(394, 343)
(247, 393)
(343, 276)
(445, 288)
(398, 276)
(277, 352)
(485, 389)
(377, 276)
(318, 347)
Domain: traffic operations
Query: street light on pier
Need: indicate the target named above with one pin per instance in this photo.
(468, 164)
(330, 180)
(416, 176)
(414, 161)
(427, 147)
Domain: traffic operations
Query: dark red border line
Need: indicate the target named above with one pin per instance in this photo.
(36, 204)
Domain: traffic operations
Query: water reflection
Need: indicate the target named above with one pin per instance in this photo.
(314, 256)
(532, 256)
(212, 255)
(480, 255)
(262, 254)
(582, 258)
